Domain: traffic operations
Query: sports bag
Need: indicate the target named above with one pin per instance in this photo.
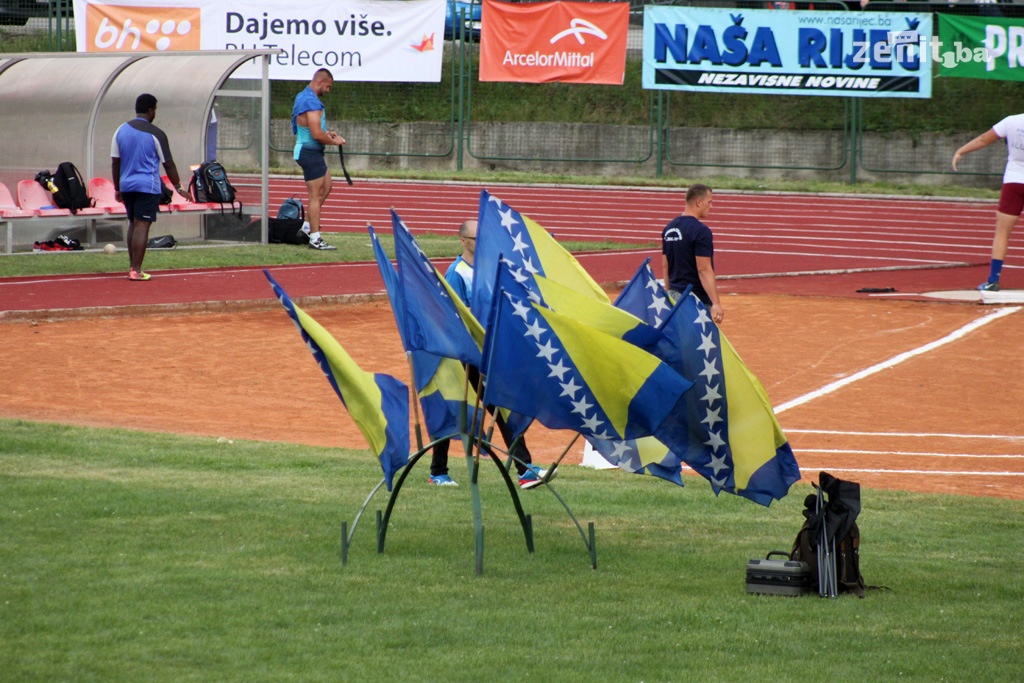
(292, 208)
(846, 558)
(286, 231)
(71, 193)
(210, 184)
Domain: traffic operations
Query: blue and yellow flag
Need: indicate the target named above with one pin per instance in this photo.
(527, 248)
(440, 382)
(378, 403)
(435, 320)
(580, 378)
(645, 297)
(730, 434)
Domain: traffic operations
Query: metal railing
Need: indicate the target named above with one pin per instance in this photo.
(624, 130)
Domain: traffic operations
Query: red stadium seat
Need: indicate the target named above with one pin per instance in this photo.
(102, 192)
(9, 208)
(179, 203)
(32, 197)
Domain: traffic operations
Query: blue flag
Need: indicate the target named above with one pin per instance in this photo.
(645, 297)
(730, 434)
(378, 403)
(440, 382)
(527, 248)
(435, 321)
(579, 378)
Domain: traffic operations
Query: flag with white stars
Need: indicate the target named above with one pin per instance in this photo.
(433, 321)
(440, 382)
(645, 297)
(569, 375)
(527, 248)
(378, 403)
(731, 435)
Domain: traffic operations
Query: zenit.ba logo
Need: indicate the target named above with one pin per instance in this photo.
(118, 28)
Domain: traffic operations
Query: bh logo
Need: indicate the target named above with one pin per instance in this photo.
(119, 28)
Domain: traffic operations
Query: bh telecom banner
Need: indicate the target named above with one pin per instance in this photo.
(358, 40)
(980, 47)
(545, 42)
(860, 54)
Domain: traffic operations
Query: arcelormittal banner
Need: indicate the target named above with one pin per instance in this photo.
(546, 42)
(358, 40)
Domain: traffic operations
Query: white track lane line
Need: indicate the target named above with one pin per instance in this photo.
(922, 435)
(958, 473)
(896, 360)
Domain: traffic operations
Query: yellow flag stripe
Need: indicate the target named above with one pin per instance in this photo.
(590, 350)
(754, 431)
(602, 315)
(362, 395)
(560, 265)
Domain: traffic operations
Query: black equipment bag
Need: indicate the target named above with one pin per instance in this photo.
(286, 231)
(71, 191)
(829, 540)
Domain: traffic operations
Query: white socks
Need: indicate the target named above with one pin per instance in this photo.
(305, 227)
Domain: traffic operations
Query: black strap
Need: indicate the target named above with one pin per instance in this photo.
(341, 155)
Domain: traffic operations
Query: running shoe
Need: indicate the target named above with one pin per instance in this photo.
(138, 276)
(989, 287)
(320, 245)
(442, 480)
(532, 477)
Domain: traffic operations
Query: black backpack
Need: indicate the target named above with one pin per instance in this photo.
(847, 558)
(210, 184)
(287, 227)
(67, 187)
(831, 520)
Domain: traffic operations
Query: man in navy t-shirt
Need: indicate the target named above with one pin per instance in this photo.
(136, 152)
(688, 252)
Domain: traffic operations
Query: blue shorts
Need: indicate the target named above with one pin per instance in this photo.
(141, 206)
(313, 163)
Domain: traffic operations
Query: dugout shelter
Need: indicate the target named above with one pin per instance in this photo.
(63, 106)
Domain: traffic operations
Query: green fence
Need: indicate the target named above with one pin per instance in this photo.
(463, 123)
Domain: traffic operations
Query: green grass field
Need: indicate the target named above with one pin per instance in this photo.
(138, 556)
(352, 247)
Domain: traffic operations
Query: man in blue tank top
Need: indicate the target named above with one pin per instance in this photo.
(309, 124)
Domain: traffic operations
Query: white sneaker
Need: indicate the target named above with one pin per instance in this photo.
(320, 245)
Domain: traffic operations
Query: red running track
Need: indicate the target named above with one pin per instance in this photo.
(764, 242)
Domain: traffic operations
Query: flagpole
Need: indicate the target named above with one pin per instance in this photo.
(415, 402)
(551, 470)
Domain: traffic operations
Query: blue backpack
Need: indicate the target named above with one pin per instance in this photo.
(291, 209)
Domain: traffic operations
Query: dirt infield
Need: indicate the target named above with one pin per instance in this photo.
(946, 420)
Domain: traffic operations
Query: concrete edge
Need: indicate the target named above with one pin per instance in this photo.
(190, 308)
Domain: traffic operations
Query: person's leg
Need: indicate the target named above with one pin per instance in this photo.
(1011, 203)
(521, 453)
(1004, 228)
(439, 458)
(138, 240)
(318, 191)
(142, 209)
(439, 465)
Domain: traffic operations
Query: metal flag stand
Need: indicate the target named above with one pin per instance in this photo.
(474, 452)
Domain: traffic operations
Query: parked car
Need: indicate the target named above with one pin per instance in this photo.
(470, 12)
(18, 12)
